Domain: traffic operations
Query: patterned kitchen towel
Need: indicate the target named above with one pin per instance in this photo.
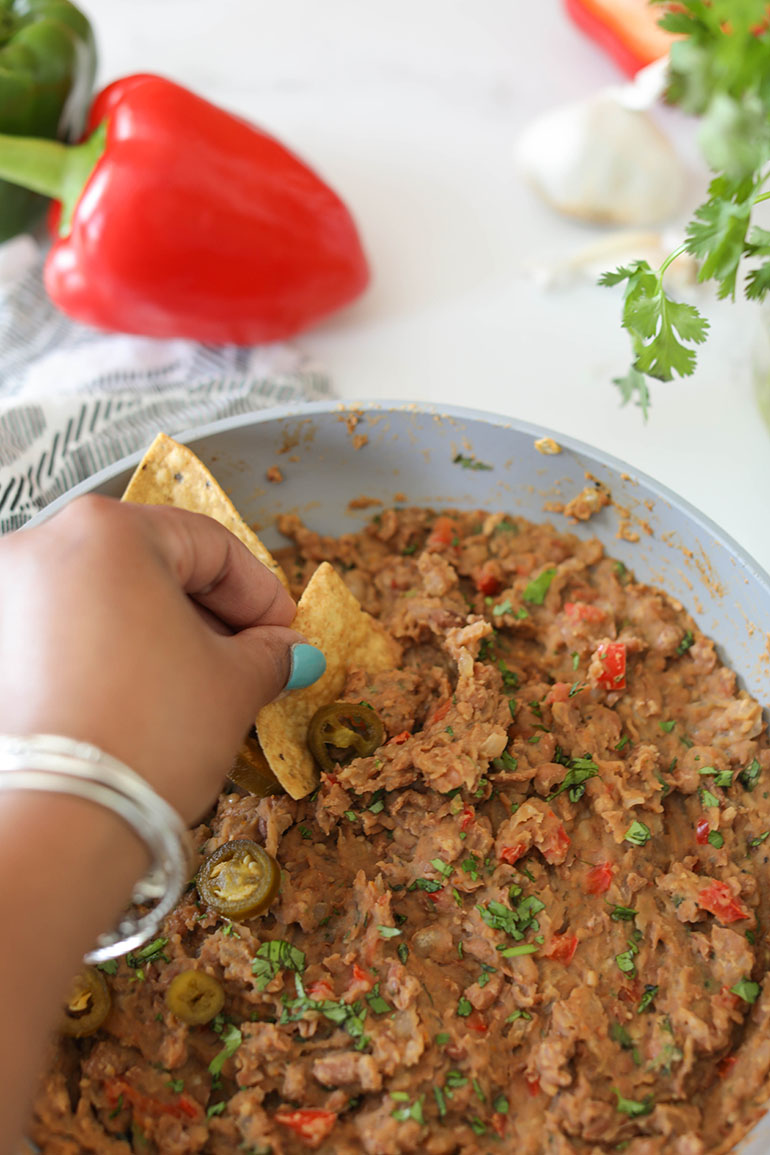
(73, 399)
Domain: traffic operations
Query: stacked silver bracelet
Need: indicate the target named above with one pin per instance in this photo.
(53, 764)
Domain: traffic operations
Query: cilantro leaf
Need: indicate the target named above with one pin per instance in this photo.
(535, 591)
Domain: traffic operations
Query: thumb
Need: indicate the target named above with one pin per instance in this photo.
(274, 659)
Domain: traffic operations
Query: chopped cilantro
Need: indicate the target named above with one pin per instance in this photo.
(513, 921)
(632, 1107)
(409, 1110)
(469, 462)
(428, 884)
(746, 990)
(623, 742)
(722, 778)
(667, 727)
(232, 1039)
(506, 761)
(351, 815)
(441, 866)
(716, 839)
(536, 590)
(580, 770)
(150, 953)
(623, 913)
(626, 962)
(687, 640)
(464, 1007)
(637, 834)
(520, 949)
(503, 608)
(575, 659)
(215, 1109)
(707, 798)
(514, 1015)
(378, 1004)
(274, 956)
(500, 1105)
(389, 931)
(647, 998)
(510, 678)
(442, 1038)
(749, 777)
(176, 1085)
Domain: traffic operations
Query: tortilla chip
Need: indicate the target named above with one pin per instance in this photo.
(171, 474)
(331, 618)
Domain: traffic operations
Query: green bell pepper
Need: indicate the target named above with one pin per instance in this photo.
(47, 71)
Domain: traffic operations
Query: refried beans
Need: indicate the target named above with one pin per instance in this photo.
(534, 920)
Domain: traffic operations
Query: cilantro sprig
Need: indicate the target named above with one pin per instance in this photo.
(718, 71)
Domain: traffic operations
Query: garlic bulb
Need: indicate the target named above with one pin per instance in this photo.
(600, 160)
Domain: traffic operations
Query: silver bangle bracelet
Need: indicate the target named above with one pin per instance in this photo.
(59, 765)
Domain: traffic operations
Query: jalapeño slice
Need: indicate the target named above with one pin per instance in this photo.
(195, 997)
(87, 1005)
(342, 731)
(250, 770)
(239, 880)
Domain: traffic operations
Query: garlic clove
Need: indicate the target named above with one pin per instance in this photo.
(601, 161)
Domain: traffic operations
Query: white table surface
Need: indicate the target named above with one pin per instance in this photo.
(412, 111)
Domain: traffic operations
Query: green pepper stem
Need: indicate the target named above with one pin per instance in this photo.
(55, 170)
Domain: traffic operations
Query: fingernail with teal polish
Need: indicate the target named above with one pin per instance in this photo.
(307, 665)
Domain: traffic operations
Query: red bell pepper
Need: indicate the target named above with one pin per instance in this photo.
(179, 219)
(718, 899)
(310, 1124)
(628, 30)
(613, 658)
(599, 878)
(562, 948)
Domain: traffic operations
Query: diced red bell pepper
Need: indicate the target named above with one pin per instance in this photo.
(718, 899)
(468, 816)
(444, 533)
(533, 1086)
(399, 739)
(181, 1106)
(612, 655)
(512, 854)
(628, 30)
(320, 990)
(555, 844)
(583, 612)
(310, 1124)
(562, 948)
(725, 1065)
(362, 976)
(499, 1122)
(702, 831)
(599, 878)
(559, 692)
(440, 712)
(487, 580)
(474, 1022)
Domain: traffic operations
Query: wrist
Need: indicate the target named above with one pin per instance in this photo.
(52, 765)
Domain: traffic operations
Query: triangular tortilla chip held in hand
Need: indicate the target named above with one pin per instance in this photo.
(330, 617)
(171, 474)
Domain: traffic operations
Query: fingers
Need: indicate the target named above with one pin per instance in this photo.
(216, 569)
